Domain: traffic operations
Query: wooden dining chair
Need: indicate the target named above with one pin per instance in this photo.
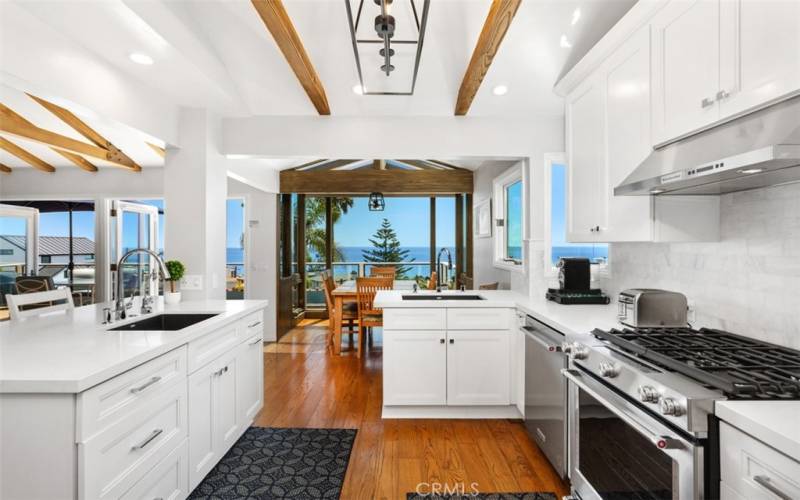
(368, 316)
(383, 271)
(59, 299)
(489, 286)
(349, 311)
(465, 280)
(432, 281)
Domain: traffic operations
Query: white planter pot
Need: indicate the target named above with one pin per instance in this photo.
(172, 297)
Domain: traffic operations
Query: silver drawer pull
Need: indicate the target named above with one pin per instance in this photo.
(147, 441)
(767, 483)
(256, 341)
(144, 386)
(706, 102)
(253, 325)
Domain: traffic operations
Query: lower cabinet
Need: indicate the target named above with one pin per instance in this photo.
(453, 368)
(249, 379)
(168, 480)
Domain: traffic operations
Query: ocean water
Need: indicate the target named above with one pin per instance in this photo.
(591, 252)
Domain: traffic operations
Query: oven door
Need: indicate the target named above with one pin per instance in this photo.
(619, 451)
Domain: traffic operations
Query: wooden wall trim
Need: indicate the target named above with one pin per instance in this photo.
(365, 181)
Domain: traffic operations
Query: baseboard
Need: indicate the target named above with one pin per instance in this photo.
(467, 412)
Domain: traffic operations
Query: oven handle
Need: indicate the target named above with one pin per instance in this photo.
(661, 442)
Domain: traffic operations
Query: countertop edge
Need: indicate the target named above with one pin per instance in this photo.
(759, 429)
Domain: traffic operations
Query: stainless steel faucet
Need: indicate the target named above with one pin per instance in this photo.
(439, 267)
(119, 304)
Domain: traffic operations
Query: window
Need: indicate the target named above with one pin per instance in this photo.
(509, 215)
(45, 259)
(559, 247)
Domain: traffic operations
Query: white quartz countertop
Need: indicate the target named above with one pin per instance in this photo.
(771, 422)
(568, 319)
(71, 353)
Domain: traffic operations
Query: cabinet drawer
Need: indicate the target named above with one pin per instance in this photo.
(754, 470)
(478, 319)
(209, 347)
(414, 319)
(114, 399)
(168, 480)
(110, 463)
(252, 324)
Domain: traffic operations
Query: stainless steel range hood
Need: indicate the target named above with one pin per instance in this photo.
(757, 150)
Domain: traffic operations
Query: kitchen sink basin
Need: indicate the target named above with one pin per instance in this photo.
(167, 322)
(442, 297)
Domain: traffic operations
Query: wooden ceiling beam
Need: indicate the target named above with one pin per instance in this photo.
(113, 154)
(5, 169)
(447, 165)
(379, 164)
(275, 18)
(494, 30)
(367, 180)
(78, 160)
(30, 159)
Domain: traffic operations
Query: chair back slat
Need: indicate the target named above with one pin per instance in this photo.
(59, 299)
(329, 285)
(383, 271)
(366, 289)
(33, 284)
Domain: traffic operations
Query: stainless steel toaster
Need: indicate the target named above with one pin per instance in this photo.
(649, 307)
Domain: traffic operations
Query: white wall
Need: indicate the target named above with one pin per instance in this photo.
(261, 247)
(747, 283)
(483, 270)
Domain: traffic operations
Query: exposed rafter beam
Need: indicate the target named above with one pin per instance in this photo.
(158, 150)
(494, 30)
(5, 169)
(78, 160)
(113, 153)
(421, 165)
(329, 165)
(367, 180)
(379, 164)
(32, 160)
(446, 165)
(277, 21)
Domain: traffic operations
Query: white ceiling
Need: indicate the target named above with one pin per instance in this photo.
(218, 54)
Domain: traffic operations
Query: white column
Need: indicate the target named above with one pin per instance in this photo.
(195, 190)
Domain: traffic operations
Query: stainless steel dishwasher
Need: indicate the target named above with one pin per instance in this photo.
(546, 391)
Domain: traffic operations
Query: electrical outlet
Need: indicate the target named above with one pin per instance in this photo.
(192, 282)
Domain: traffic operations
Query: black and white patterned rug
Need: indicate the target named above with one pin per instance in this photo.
(484, 496)
(269, 463)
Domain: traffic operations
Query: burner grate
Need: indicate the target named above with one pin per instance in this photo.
(739, 366)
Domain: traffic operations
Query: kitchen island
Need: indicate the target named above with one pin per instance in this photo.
(91, 412)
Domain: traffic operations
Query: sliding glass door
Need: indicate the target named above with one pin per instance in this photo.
(19, 236)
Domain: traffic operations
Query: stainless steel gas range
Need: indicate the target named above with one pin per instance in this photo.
(641, 407)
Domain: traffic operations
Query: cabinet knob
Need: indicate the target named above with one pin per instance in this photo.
(441, 341)
(723, 94)
(706, 102)
(452, 341)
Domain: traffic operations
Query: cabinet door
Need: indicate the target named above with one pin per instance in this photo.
(227, 422)
(250, 383)
(627, 75)
(478, 368)
(685, 68)
(414, 367)
(759, 52)
(586, 152)
(203, 452)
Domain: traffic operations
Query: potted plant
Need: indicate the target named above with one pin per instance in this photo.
(176, 271)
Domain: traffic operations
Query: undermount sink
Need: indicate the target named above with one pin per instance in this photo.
(442, 297)
(166, 322)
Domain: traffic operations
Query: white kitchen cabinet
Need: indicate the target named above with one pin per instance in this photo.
(759, 53)
(213, 422)
(250, 376)
(478, 368)
(414, 367)
(586, 151)
(685, 67)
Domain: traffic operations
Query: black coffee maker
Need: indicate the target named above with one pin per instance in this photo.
(574, 283)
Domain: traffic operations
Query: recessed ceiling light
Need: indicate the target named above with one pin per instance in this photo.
(140, 58)
(358, 89)
(500, 90)
(751, 170)
(564, 42)
(576, 15)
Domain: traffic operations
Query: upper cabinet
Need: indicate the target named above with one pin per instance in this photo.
(714, 59)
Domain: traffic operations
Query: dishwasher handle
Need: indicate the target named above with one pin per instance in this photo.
(551, 345)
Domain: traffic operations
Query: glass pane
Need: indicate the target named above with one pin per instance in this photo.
(54, 258)
(234, 250)
(446, 238)
(514, 221)
(316, 249)
(131, 238)
(13, 256)
(597, 253)
(618, 461)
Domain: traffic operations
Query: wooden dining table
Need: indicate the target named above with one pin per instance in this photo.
(346, 292)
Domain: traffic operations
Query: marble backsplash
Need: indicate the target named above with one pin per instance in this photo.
(746, 283)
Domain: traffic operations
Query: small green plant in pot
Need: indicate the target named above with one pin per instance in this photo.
(176, 271)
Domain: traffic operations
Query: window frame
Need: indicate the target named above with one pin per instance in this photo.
(499, 202)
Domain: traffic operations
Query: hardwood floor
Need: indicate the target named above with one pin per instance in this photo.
(305, 386)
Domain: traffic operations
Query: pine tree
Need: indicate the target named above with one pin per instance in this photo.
(386, 248)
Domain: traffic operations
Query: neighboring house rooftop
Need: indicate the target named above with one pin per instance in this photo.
(56, 245)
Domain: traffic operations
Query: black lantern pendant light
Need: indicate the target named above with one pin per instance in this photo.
(376, 202)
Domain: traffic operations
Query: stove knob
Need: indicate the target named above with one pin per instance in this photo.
(648, 394)
(608, 370)
(579, 351)
(671, 407)
(566, 347)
